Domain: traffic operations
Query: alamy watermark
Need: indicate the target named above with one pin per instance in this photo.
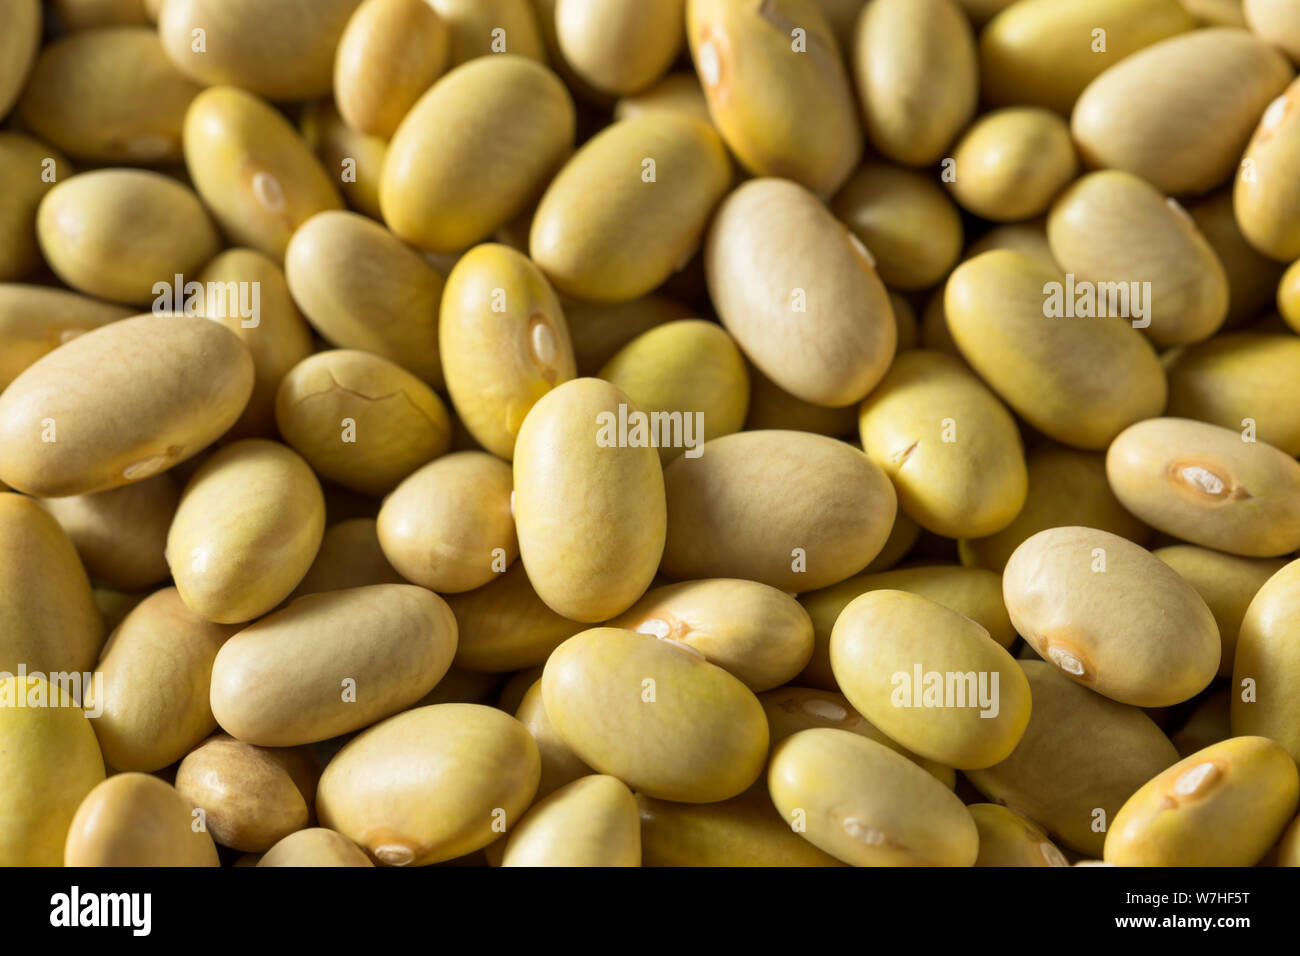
(242, 300)
(637, 429)
(1086, 300)
(923, 688)
(59, 689)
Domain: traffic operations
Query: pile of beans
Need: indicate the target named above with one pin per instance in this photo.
(664, 432)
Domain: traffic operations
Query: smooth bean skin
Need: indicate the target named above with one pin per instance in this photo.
(48, 619)
(1240, 378)
(156, 670)
(134, 819)
(771, 407)
(598, 330)
(448, 526)
(621, 46)
(560, 765)
(1288, 849)
(253, 170)
(590, 822)
(505, 626)
(655, 714)
(1252, 276)
(20, 41)
(482, 27)
(743, 831)
(1266, 664)
(275, 334)
(328, 664)
(1008, 839)
(474, 151)
(251, 797)
(1288, 296)
(121, 534)
(428, 785)
(755, 632)
(1208, 486)
(25, 163)
(1011, 163)
(362, 288)
(342, 151)
(916, 75)
(315, 846)
(799, 293)
(504, 343)
(390, 52)
(884, 637)
(590, 555)
(1112, 227)
(1226, 583)
(1066, 487)
(116, 233)
(948, 444)
(647, 183)
(792, 510)
(1128, 118)
(677, 92)
(176, 384)
(1265, 196)
(350, 556)
(790, 709)
(690, 368)
(257, 500)
(1081, 757)
(1045, 368)
(360, 420)
(1276, 21)
(109, 96)
(1045, 53)
(973, 592)
(1222, 806)
(1112, 616)
(50, 760)
(913, 230)
(782, 112)
(867, 805)
(282, 50)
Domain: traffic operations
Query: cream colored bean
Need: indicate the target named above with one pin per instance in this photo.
(1129, 117)
(120, 404)
(155, 671)
(448, 526)
(360, 420)
(592, 553)
(799, 293)
(915, 70)
(1208, 485)
(428, 785)
(1112, 616)
(783, 109)
(256, 500)
(331, 663)
(655, 714)
(789, 509)
(504, 343)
